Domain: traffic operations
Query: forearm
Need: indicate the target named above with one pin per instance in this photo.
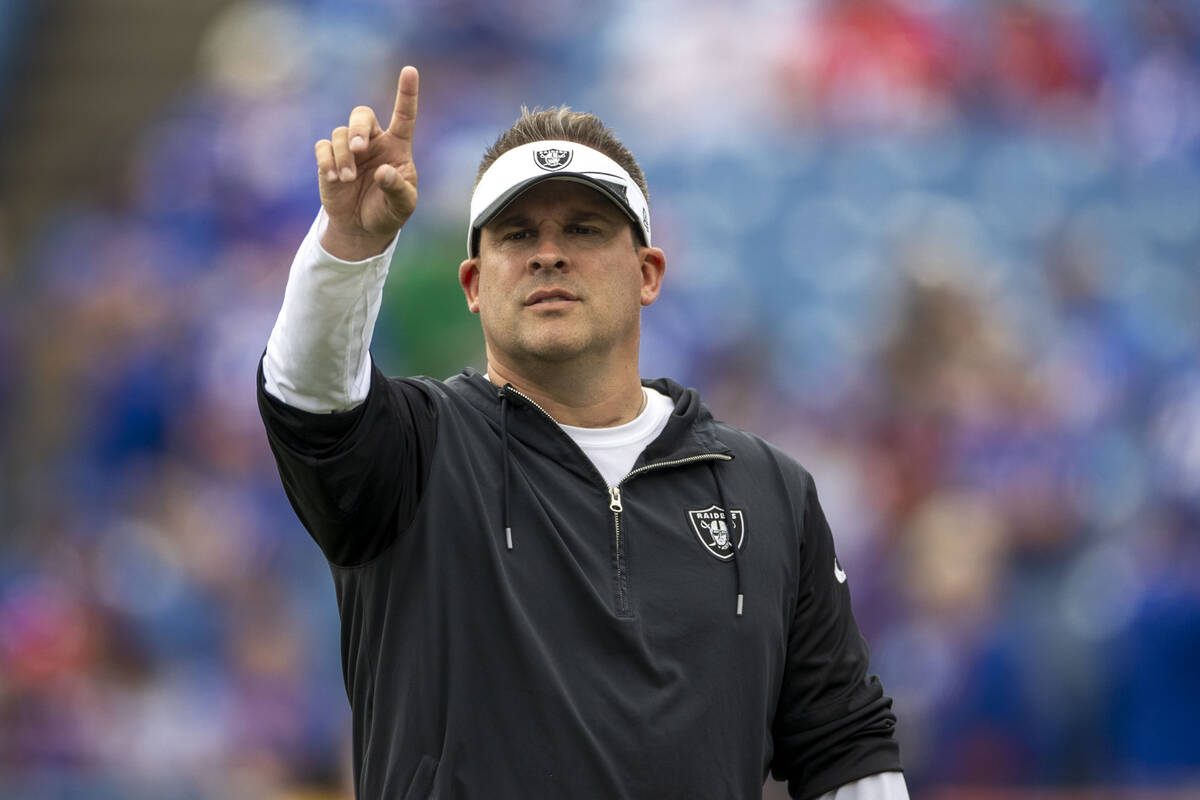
(884, 786)
(318, 355)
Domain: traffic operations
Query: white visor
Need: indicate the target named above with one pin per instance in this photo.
(520, 168)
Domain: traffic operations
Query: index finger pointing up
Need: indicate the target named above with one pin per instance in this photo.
(404, 116)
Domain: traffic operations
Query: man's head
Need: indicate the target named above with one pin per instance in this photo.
(559, 259)
(557, 144)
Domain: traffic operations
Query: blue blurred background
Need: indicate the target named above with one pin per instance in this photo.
(946, 253)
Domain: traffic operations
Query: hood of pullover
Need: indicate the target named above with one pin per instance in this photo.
(691, 430)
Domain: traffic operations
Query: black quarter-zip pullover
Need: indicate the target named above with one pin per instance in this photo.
(601, 655)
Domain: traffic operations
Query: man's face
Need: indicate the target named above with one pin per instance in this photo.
(558, 277)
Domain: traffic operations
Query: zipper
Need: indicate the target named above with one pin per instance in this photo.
(614, 497)
(510, 388)
(614, 505)
(677, 462)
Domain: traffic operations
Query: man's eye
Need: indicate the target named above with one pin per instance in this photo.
(582, 229)
(515, 236)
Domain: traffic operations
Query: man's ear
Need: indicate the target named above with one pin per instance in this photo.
(468, 278)
(654, 264)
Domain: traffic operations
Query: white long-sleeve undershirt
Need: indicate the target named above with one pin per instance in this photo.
(318, 357)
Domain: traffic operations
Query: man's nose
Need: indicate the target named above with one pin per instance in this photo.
(550, 251)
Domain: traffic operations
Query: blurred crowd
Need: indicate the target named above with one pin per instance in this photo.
(945, 253)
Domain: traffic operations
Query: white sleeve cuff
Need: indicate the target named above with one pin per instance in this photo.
(884, 786)
(318, 357)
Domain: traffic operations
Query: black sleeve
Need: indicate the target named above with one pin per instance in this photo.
(355, 477)
(833, 724)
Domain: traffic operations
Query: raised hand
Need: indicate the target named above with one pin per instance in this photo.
(367, 178)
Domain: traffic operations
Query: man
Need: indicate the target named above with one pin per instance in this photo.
(555, 579)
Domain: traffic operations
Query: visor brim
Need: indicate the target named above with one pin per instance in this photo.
(612, 190)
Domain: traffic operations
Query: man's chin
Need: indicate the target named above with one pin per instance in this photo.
(553, 346)
(554, 352)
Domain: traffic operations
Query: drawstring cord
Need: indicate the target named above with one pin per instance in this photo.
(504, 446)
(733, 540)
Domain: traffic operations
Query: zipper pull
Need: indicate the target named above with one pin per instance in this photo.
(614, 505)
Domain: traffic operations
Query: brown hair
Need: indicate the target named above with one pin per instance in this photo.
(560, 122)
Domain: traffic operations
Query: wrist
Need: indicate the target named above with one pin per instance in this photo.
(351, 245)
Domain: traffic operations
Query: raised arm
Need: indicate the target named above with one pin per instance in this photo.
(353, 447)
(317, 358)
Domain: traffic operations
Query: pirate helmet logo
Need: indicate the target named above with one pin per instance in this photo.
(712, 527)
(553, 159)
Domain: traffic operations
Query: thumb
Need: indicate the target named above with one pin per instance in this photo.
(399, 186)
(386, 176)
(398, 193)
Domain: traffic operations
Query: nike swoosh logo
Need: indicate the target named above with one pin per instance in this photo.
(837, 571)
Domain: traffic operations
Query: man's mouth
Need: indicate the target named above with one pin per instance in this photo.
(543, 296)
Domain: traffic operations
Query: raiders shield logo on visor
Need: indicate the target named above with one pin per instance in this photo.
(552, 159)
